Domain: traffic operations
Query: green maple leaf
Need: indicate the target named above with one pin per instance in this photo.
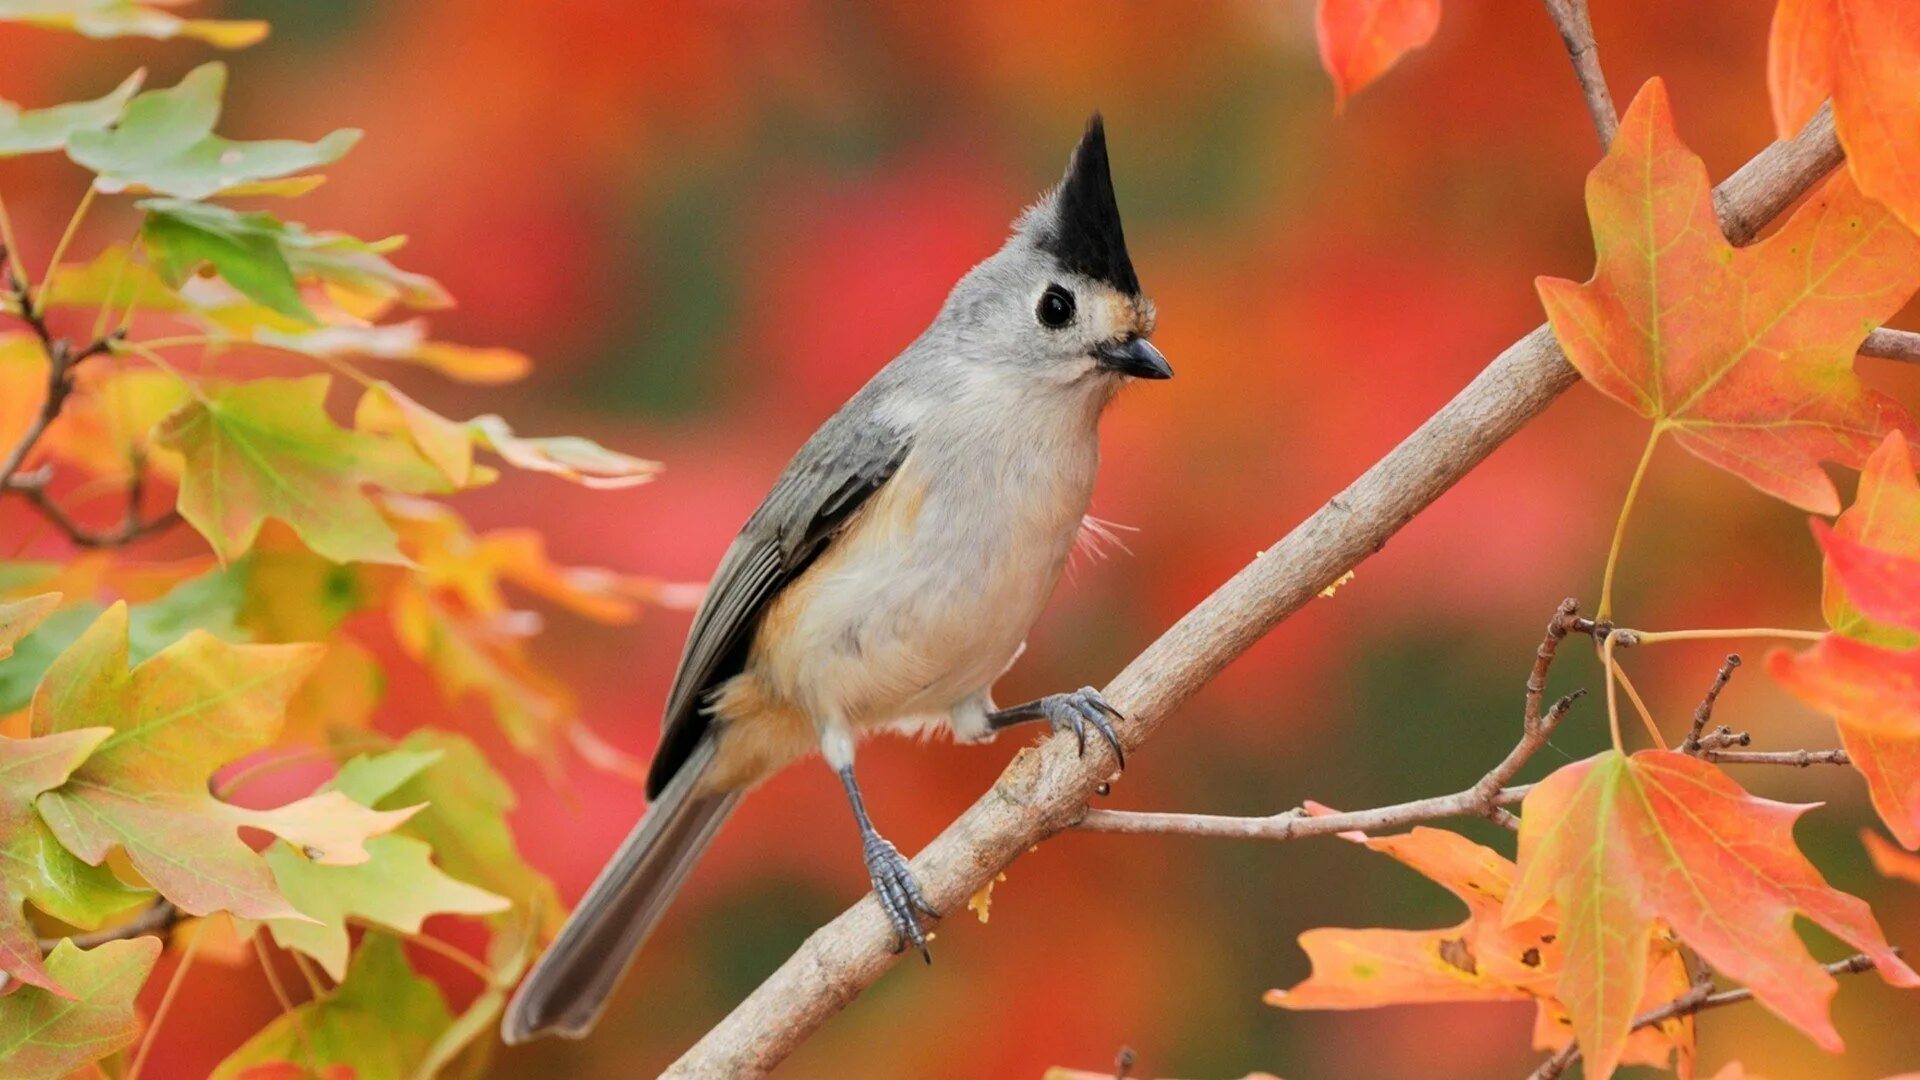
(31, 131)
(266, 258)
(165, 143)
(209, 602)
(397, 888)
(37, 868)
(382, 1021)
(267, 449)
(467, 826)
(198, 704)
(44, 1036)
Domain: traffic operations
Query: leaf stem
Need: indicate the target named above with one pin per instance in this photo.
(440, 948)
(141, 350)
(1613, 697)
(1655, 637)
(160, 1011)
(13, 248)
(1620, 524)
(286, 1003)
(113, 289)
(1646, 716)
(60, 249)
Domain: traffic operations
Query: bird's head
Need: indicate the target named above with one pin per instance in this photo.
(1061, 298)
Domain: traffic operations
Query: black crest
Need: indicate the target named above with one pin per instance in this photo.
(1084, 233)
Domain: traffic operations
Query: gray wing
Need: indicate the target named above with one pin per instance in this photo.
(846, 461)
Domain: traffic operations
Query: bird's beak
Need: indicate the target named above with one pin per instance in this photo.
(1136, 357)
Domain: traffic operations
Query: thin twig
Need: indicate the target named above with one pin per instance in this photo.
(1045, 790)
(1698, 999)
(159, 917)
(1704, 712)
(1487, 799)
(1570, 17)
(1799, 758)
(32, 487)
(62, 359)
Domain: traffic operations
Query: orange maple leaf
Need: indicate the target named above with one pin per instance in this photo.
(1864, 54)
(1479, 959)
(1890, 860)
(1743, 355)
(1361, 39)
(1867, 674)
(1621, 843)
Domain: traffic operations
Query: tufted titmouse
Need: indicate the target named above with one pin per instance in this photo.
(891, 575)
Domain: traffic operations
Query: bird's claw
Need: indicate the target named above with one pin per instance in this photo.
(899, 894)
(1080, 710)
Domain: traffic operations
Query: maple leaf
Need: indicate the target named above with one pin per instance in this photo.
(1863, 54)
(267, 449)
(19, 617)
(404, 342)
(104, 427)
(1361, 39)
(129, 18)
(486, 656)
(266, 259)
(1620, 842)
(382, 1021)
(205, 603)
(473, 567)
(39, 869)
(112, 278)
(164, 143)
(449, 444)
(397, 888)
(1890, 860)
(189, 709)
(1743, 355)
(1480, 959)
(467, 826)
(32, 131)
(1864, 675)
(44, 1036)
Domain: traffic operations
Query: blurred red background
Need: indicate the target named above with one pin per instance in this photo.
(710, 222)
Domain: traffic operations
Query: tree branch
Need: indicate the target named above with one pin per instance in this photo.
(1487, 798)
(33, 487)
(157, 918)
(1699, 999)
(1571, 18)
(1704, 713)
(1901, 345)
(62, 359)
(1045, 789)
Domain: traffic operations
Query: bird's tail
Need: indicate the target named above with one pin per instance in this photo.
(570, 984)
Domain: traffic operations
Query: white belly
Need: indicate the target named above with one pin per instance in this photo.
(926, 598)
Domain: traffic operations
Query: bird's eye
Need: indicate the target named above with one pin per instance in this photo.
(1056, 307)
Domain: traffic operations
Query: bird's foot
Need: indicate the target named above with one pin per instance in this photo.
(1078, 711)
(898, 893)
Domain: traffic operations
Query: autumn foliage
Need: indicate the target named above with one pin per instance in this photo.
(189, 768)
(151, 707)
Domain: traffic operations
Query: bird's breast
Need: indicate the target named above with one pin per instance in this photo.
(924, 597)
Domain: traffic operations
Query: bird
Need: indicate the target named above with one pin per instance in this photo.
(891, 575)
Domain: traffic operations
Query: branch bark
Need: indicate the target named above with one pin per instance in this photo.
(1575, 24)
(1487, 798)
(1698, 999)
(1045, 789)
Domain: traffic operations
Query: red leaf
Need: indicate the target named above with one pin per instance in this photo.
(1361, 39)
(1744, 356)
